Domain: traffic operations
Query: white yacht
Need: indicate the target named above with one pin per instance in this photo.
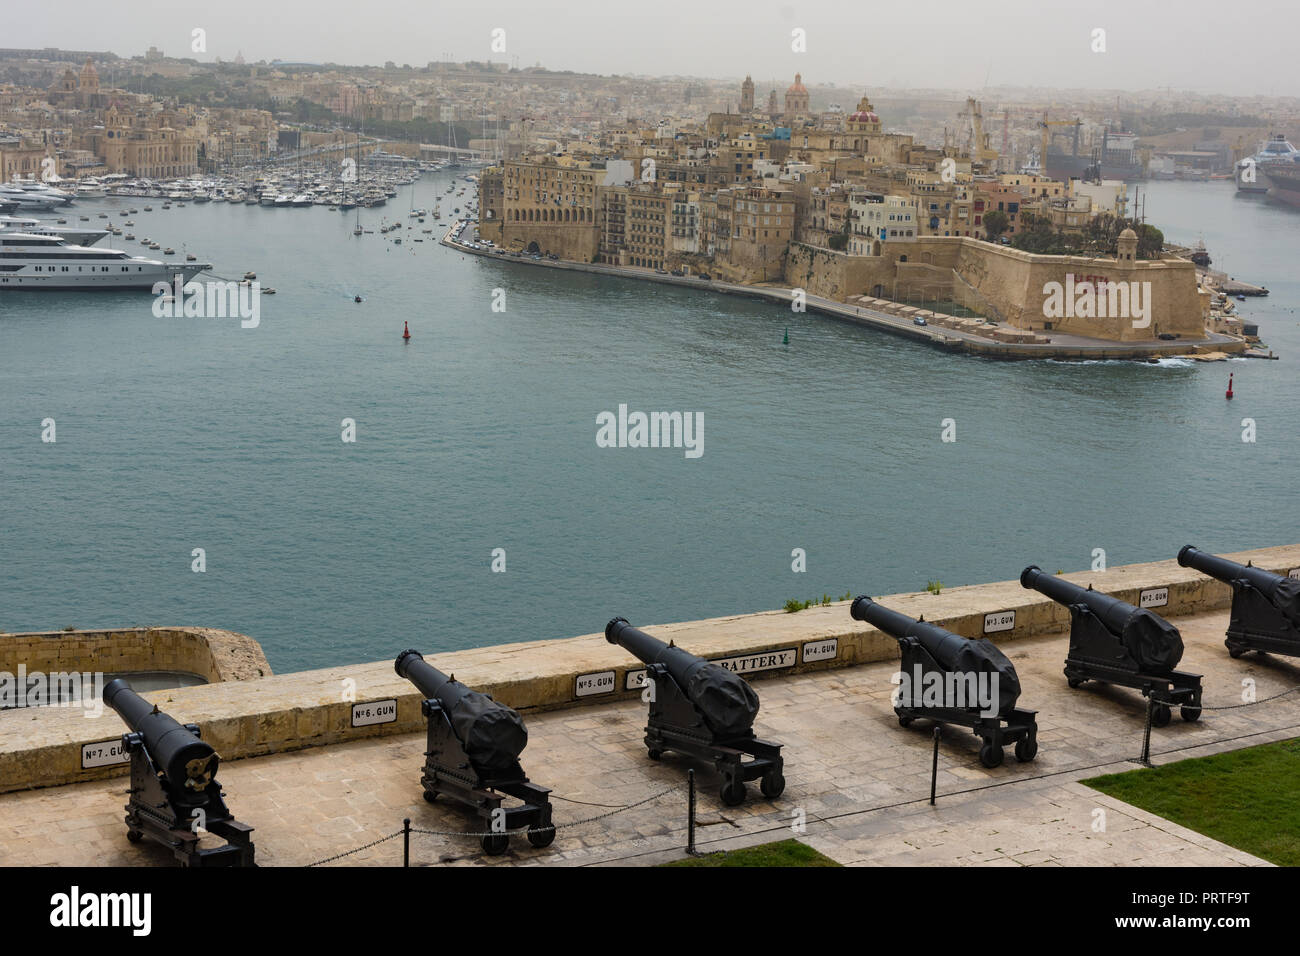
(37, 227)
(33, 195)
(32, 262)
(91, 188)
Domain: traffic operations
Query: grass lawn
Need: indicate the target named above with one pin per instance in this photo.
(783, 853)
(1249, 799)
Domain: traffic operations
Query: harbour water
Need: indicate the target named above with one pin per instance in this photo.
(177, 434)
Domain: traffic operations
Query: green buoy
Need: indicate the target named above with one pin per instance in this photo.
(786, 340)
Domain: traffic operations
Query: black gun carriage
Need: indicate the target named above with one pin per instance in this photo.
(1113, 642)
(174, 791)
(1265, 613)
(949, 664)
(702, 710)
(473, 752)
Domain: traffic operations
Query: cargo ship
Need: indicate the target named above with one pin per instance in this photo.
(1117, 155)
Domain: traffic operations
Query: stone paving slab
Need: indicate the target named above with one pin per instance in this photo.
(858, 780)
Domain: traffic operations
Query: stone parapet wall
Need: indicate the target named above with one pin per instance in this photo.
(215, 655)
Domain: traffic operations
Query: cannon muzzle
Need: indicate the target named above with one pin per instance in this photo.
(1153, 642)
(952, 652)
(185, 760)
(492, 734)
(725, 700)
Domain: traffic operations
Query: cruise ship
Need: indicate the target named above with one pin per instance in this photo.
(1250, 174)
(32, 262)
(1284, 181)
(37, 227)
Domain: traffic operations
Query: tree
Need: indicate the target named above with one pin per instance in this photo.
(995, 223)
(1151, 242)
(1037, 235)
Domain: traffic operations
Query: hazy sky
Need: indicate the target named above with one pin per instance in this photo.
(1203, 45)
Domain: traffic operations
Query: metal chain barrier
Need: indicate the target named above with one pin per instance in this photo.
(331, 859)
(1145, 758)
(1252, 703)
(518, 830)
(558, 826)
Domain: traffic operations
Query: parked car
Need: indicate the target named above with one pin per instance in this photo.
(662, 272)
(677, 272)
(706, 277)
(919, 321)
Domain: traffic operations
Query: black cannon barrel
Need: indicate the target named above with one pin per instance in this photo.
(184, 759)
(944, 646)
(492, 734)
(726, 700)
(957, 654)
(1153, 642)
(1283, 592)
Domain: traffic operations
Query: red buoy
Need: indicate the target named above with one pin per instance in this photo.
(1228, 395)
(406, 334)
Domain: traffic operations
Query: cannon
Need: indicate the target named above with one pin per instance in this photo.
(702, 710)
(1113, 642)
(955, 680)
(174, 791)
(1265, 612)
(473, 752)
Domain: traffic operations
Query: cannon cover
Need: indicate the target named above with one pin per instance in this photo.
(727, 701)
(952, 652)
(1286, 597)
(724, 699)
(1154, 644)
(492, 734)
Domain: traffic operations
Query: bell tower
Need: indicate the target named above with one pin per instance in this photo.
(747, 95)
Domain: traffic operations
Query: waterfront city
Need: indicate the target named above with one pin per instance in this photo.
(340, 392)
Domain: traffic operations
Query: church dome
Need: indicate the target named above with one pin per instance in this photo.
(864, 113)
(797, 86)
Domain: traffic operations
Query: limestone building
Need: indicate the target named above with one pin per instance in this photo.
(550, 206)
